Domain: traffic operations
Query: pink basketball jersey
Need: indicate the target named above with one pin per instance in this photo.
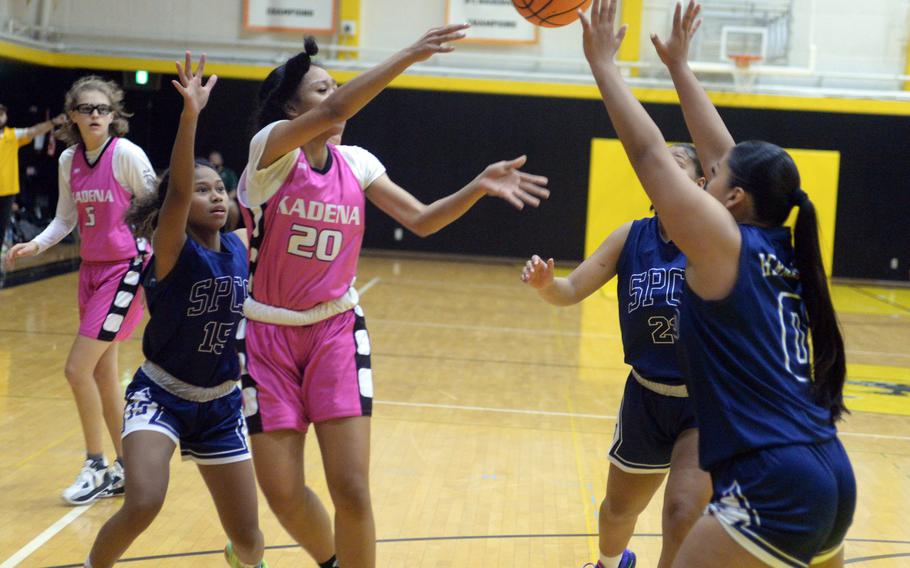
(101, 202)
(305, 240)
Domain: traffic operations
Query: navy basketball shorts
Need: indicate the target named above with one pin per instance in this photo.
(208, 433)
(789, 505)
(647, 427)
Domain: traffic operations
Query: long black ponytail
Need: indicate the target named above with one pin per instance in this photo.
(281, 85)
(769, 174)
(829, 362)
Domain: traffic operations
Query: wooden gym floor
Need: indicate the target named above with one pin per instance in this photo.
(494, 412)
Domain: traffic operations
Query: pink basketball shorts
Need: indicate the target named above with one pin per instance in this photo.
(110, 299)
(298, 375)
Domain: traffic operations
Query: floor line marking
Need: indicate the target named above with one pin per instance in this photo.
(368, 285)
(578, 415)
(40, 540)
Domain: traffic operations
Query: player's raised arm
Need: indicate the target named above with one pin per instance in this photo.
(349, 98)
(702, 228)
(170, 235)
(708, 131)
(502, 179)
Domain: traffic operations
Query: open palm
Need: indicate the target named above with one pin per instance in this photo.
(505, 181)
(191, 87)
(676, 49)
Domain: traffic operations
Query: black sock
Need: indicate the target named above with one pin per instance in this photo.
(330, 563)
(96, 459)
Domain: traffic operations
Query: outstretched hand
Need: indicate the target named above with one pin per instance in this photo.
(675, 50)
(600, 41)
(436, 41)
(195, 93)
(20, 250)
(538, 274)
(505, 181)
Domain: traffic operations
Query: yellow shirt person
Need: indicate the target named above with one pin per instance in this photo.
(11, 139)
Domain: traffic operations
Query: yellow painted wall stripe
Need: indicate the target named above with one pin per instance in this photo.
(349, 11)
(630, 50)
(907, 67)
(466, 85)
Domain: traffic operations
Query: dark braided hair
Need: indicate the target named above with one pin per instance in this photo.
(281, 85)
(142, 216)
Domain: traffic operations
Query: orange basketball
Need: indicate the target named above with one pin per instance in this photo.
(550, 13)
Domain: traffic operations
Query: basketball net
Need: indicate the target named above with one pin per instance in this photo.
(743, 75)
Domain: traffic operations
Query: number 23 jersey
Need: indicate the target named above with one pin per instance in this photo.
(305, 225)
(650, 277)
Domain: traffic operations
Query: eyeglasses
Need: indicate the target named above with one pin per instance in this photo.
(88, 109)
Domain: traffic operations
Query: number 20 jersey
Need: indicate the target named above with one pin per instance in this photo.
(650, 279)
(747, 356)
(305, 239)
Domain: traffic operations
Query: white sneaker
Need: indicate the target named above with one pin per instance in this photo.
(117, 478)
(92, 481)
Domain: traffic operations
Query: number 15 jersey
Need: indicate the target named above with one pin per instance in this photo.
(305, 225)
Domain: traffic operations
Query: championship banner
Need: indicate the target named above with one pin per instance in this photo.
(492, 21)
(311, 16)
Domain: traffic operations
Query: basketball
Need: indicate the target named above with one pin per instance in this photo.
(550, 13)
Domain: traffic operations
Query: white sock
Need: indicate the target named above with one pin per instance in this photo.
(610, 561)
(88, 562)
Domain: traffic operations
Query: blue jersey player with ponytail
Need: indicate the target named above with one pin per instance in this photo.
(187, 390)
(756, 298)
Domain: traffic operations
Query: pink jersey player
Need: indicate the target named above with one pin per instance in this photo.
(99, 175)
(310, 233)
(101, 202)
(307, 347)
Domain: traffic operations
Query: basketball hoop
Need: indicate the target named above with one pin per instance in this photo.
(743, 76)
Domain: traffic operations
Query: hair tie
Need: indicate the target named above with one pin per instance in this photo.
(800, 197)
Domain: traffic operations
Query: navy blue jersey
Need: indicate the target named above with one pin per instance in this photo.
(746, 357)
(650, 279)
(195, 311)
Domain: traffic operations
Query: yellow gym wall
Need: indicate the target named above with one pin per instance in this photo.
(615, 196)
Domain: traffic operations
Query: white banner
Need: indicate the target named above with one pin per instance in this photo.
(315, 16)
(492, 21)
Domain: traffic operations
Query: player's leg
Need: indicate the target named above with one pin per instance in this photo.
(339, 391)
(111, 393)
(275, 417)
(626, 497)
(278, 459)
(218, 446)
(708, 545)
(233, 489)
(147, 454)
(345, 447)
(83, 357)
(687, 494)
(639, 460)
(6, 210)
